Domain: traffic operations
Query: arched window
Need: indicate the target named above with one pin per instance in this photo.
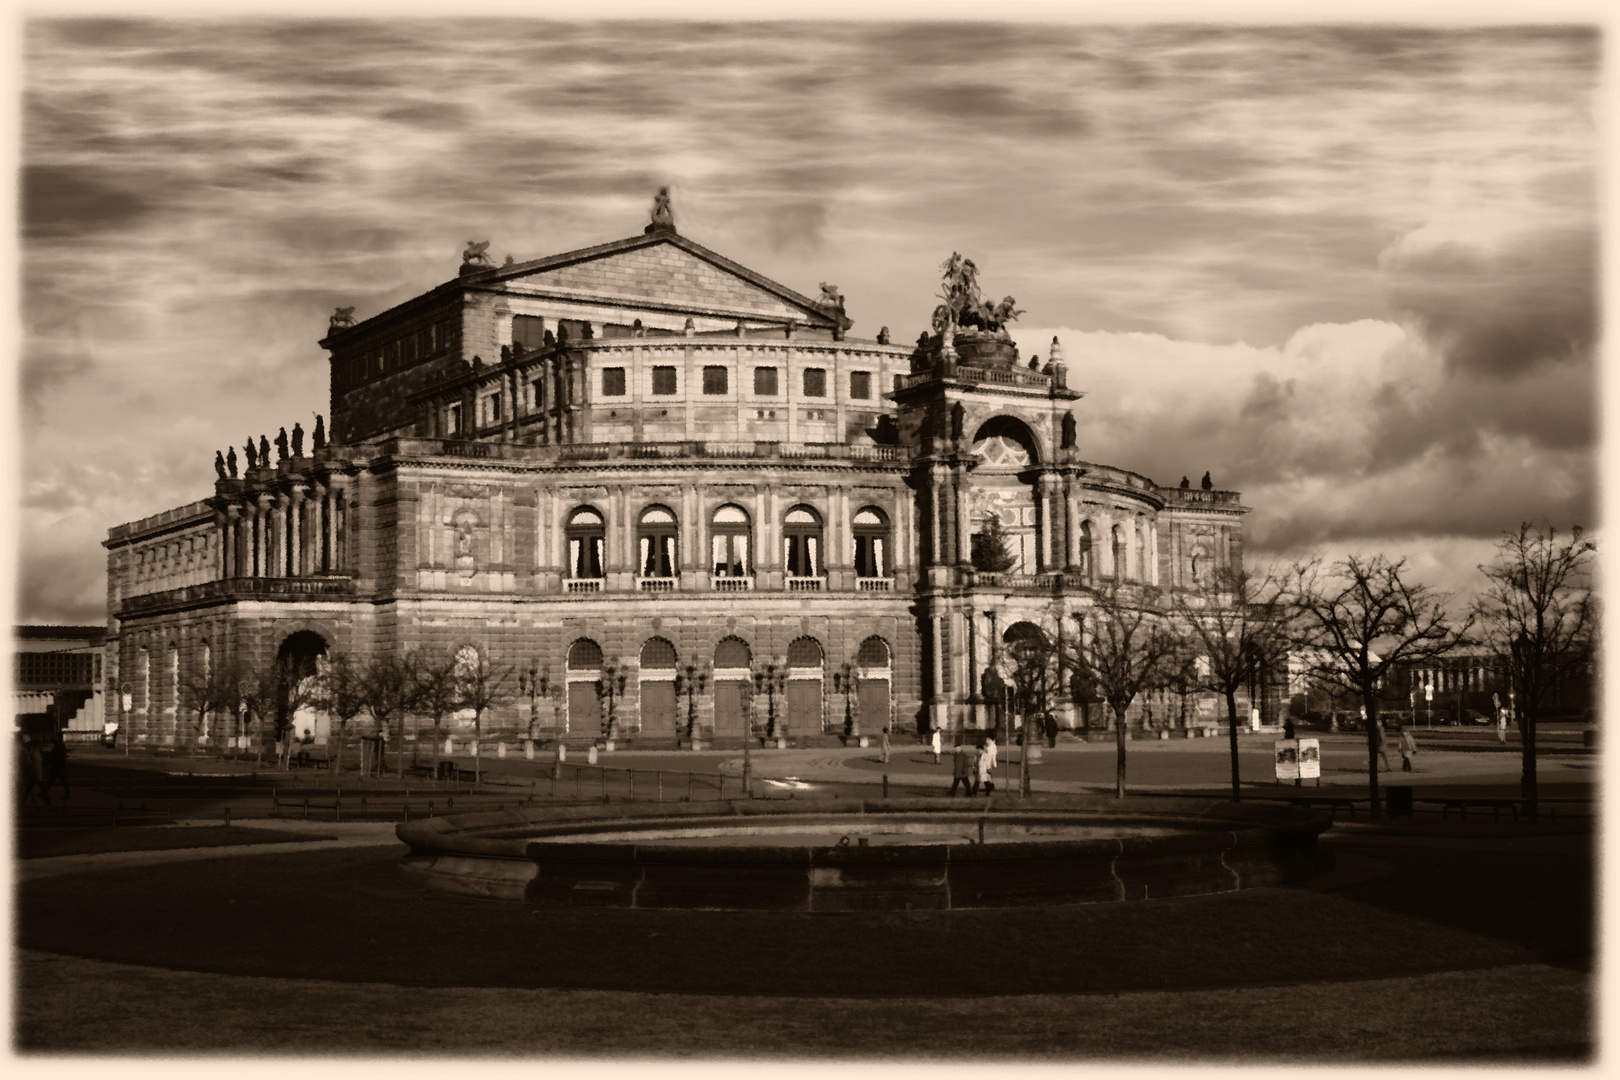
(586, 534)
(656, 540)
(657, 655)
(584, 655)
(871, 531)
(728, 542)
(801, 535)
(874, 653)
(1119, 552)
(1087, 566)
(804, 653)
(732, 653)
(1142, 548)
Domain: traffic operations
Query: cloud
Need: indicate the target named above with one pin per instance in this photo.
(1505, 310)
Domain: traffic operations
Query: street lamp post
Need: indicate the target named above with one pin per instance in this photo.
(771, 678)
(845, 678)
(691, 680)
(611, 687)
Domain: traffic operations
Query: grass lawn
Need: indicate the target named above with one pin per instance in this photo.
(47, 842)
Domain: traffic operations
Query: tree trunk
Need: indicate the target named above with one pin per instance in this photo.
(337, 766)
(1232, 732)
(478, 739)
(1119, 751)
(399, 755)
(1372, 750)
(1527, 780)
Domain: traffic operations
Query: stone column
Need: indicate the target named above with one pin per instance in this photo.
(227, 558)
(1071, 528)
(334, 517)
(1044, 549)
(1103, 545)
(936, 550)
(961, 543)
(283, 529)
(295, 556)
(261, 546)
(317, 529)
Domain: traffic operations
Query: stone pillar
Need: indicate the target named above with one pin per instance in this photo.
(1071, 528)
(1153, 552)
(295, 556)
(936, 550)
(1045, 551)
(334, 522)
(317, 529)
(283, 528)
(227, 562)
(1103, 545)
(961, 541)
(261, 546)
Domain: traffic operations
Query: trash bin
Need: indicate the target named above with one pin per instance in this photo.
(1398, 801)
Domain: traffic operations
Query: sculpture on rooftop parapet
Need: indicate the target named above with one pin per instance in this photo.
(883, 336)
(320, 432)
(1185, 483)
(230, 461)
(663, 215)
(1206, 483)
(341, 319)
(252, 455)
(264, 451)
(219, 465)
(477, 254)
(281, 445)
(298, 439)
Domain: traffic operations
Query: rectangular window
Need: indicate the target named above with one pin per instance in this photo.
(452, 420)
(815, 382)
(491, 410)
(529, 331)
(408, 350)
(537, 390)
(860, 385)
(613, 382)
(576, 329)
(765, 381)
(617, 330)
(663, 380)
(390, 356)
(714, 380)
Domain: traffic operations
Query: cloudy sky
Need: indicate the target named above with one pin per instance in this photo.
(1349, 270)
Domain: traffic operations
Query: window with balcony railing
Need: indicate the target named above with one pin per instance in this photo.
(587, 532)
(730, 533)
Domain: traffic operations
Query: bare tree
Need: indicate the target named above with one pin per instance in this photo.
(1360, 620)
(273, 694)
(481, 686)
(1123, 649)
(388, 690)
(210, 688)
(1232, 624)
(433, 691)
(342, 693)
(1539, 618)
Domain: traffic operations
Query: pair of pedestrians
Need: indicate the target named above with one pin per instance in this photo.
(973, 768)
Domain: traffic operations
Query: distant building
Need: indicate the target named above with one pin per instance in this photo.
(56, 677)
(643, 459)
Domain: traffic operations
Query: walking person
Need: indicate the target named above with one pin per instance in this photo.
(1383, 744)
(1408, 748)
(1501, 724)
(960, 766)
(885, 746)
(55, 767)
(935, 744)
(987, 764)
(1051, 725)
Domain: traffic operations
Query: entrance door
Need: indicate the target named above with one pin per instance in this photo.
(658, 709)
(803, 706)
(584, 713)
(874, 701)
(728, 708)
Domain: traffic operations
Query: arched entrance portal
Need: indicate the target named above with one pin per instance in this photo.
(875, 671)
(804, 657)
(300, 658)
(584, 673)
(1001, 489)
(657, 685)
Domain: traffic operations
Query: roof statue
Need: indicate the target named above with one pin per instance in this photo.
(264, 451)
(477, 254)
(320, 432)
(252, 455)
(298, 440)
(833, 301)
(219, 464)
(663, 217)
(1185, 483)
(230, 461)
(1207, 484)
(341, 319)
(883, 336)
(281, 445)
(965, 307)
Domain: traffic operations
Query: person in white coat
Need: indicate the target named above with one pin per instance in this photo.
(987, 764)
(935, 744)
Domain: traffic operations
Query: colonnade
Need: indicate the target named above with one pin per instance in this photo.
(294, 532)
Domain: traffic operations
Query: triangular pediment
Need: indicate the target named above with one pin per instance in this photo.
(668, 270)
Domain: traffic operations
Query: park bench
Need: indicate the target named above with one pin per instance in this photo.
(1462, 806)
(1324, 800)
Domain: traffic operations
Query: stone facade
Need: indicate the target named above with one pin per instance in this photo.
(644, 458)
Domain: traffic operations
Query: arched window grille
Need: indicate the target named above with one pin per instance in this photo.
(801, 537)
(656, 543)
(731, 654)
(1119, 551)
(585, 655)
(657, 655)
(586, 534)
(871, 529)
(729, 542)
(1087, 566)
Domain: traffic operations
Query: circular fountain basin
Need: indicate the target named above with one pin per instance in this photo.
(849, 855)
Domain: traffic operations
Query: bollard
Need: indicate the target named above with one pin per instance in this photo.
(406, 810)
(691, 780)
(660, 785)
(337, 807)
